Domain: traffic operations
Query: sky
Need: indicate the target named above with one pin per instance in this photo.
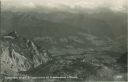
(115, 5)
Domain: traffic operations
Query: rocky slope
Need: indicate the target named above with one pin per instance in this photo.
(19, 54)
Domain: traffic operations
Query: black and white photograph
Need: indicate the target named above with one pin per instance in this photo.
(63, 40)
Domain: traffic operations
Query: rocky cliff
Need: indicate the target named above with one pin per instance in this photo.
(19, 54)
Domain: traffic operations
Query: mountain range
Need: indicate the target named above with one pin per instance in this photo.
(87, 46)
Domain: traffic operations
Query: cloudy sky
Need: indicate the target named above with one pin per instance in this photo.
(115, 5)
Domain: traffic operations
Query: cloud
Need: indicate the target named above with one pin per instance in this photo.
(30, 5)
(115, 5)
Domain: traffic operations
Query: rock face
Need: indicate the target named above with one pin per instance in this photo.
(19, 54)
(13, 62)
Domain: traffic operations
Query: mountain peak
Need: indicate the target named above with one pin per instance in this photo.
(13, 34)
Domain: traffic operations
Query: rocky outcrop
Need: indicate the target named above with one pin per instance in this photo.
(19, 54)
(13, 62)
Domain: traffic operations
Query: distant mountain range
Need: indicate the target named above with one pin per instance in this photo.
(55, 27)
